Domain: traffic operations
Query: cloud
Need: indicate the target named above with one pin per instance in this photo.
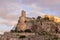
(9, 13)
(6, 25)
(33, 10)
(5, 28)
(10, 10)
(8, 22)
(8, 7)
(50, 5)
(47, 2)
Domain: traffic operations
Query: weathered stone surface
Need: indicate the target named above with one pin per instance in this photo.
(21, 23)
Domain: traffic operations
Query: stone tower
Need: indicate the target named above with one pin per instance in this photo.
(21, 22)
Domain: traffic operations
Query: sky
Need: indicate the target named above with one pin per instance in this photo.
(10, 10)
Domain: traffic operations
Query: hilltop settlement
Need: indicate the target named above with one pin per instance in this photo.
(40, 28)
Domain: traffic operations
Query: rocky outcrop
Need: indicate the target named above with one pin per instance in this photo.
(32, 29)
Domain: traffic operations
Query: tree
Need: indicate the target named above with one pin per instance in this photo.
(39, 17)
(46, 18)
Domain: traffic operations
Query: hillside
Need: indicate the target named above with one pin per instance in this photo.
(40, 28)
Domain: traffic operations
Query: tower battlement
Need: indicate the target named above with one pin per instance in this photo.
(22, 26)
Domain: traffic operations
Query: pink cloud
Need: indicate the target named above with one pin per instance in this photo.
(53, 5)
(8, 7)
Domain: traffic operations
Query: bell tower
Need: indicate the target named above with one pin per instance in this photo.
(21, 22)
(22, 28)
(23, 13)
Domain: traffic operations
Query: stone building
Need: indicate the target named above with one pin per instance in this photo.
(23, 22)
(23, 25)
